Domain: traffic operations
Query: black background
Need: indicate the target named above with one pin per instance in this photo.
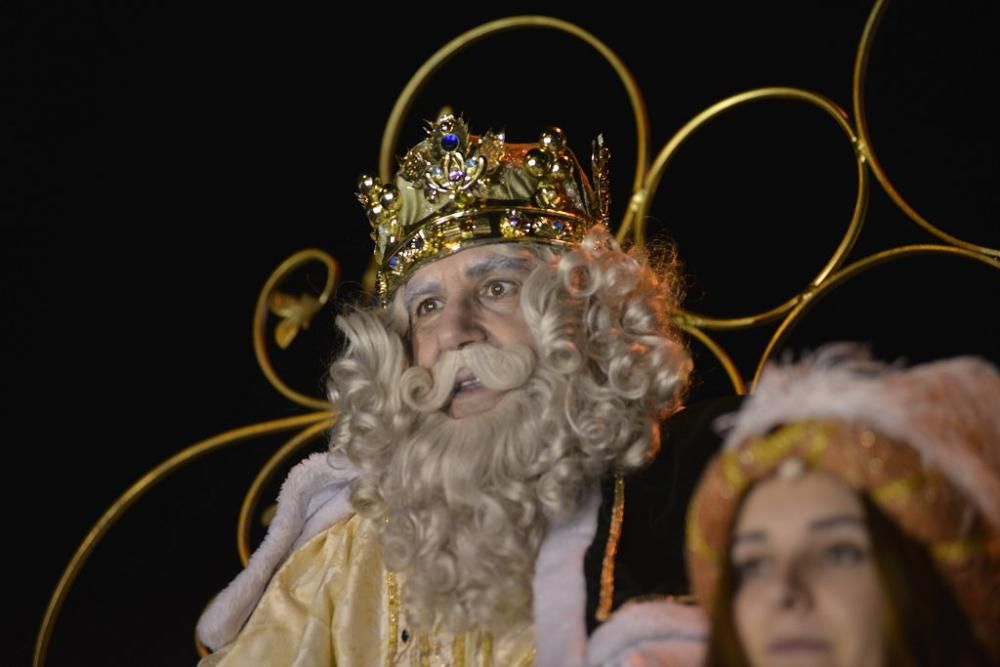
(161, 162)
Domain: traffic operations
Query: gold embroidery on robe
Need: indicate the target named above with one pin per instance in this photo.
(334, 603)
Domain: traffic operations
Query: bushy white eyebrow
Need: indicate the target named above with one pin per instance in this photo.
(481, 268)
(422, 290)
(499, 263)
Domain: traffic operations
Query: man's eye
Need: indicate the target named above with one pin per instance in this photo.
(426, 306)
(500, 288)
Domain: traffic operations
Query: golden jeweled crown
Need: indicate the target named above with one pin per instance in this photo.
(455, 190)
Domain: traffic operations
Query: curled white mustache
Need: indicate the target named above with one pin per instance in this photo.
(501, 369)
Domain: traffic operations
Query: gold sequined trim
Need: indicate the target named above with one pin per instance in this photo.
(899, 489)
(425, 651)
(487, 649)
(696, 542)
(606, 599)
(956, 551)
(732, 471)
(458, 651)
(393, 589)
(528, 660)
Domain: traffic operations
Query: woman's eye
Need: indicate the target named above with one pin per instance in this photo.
(843, 554)
(751, 568)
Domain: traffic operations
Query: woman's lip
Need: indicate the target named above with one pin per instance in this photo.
(797, 644)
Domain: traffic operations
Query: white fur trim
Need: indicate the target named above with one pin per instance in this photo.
(949, 411)
(560, 589)
(649, 634)
(314, 495)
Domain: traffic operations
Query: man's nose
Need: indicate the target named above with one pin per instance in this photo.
(460, 326)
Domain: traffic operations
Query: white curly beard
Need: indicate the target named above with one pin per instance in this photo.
(463, 521)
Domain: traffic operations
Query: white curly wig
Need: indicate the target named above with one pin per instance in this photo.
(463, 522)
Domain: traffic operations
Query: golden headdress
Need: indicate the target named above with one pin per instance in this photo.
(455, 190)
(923, 443)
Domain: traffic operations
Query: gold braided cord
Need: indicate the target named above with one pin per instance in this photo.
(606, 597)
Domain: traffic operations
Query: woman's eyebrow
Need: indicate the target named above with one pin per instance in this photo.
(836, 520)
(749, 536)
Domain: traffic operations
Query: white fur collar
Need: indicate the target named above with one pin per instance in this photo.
(560, 589)
(315, 495)
(653, 632)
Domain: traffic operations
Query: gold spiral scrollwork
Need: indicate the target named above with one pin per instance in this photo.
(851, 271)
(695, 320)
(252, 497)
(296, 313)
(868, 146)
(405, 101)
(135, 492)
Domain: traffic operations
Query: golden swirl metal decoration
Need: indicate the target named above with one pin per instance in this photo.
(136, 491)
(252, 497)
(645, 184)
(831, 275)
(695, 320)
(811, 297)
(296, 312)
(405, 101)
(868, 147)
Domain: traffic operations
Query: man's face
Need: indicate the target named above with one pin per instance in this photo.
(473, 296)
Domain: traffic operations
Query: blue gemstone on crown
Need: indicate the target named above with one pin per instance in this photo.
(470, 175)
(449, 142)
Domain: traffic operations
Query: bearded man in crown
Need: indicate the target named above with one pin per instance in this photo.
(495, 489)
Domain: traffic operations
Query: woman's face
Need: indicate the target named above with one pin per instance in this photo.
(807, 592)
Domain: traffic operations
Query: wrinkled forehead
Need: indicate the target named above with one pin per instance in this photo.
(471, 263)
(474, 262)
